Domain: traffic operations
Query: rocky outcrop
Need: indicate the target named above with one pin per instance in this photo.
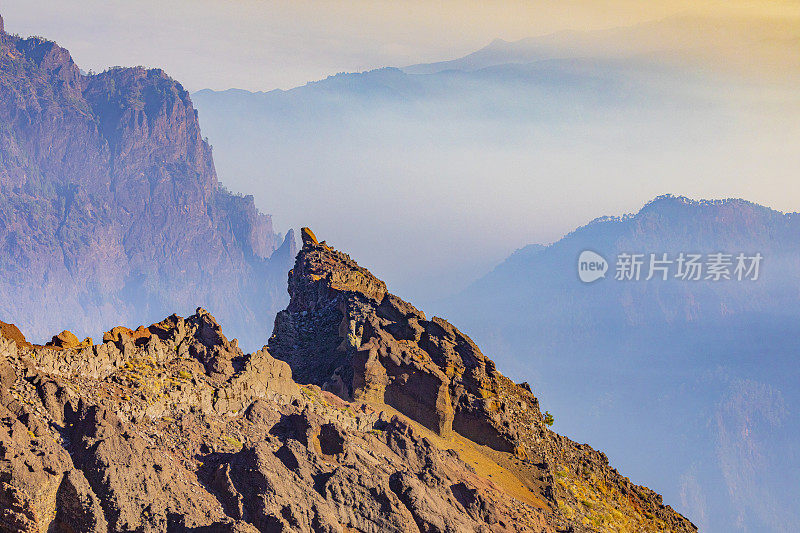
(398, 424)
(82, 447)
(110, 207)
(74, 455)
(344, 332)
(143, 433)
(12, 332)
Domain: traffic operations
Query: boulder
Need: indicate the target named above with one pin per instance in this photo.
(65, 339)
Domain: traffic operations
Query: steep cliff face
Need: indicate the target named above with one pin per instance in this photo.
(344, 332)
(110, 207)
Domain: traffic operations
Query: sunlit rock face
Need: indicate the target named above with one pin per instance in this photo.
(345, 333)
(172, 427)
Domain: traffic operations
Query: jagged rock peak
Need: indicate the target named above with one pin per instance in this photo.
(344, 332)
(319, 269)
(170, 427)
(308, 237)
(366, 343)
(2, 25)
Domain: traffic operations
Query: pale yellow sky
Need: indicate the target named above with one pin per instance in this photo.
(261, 45)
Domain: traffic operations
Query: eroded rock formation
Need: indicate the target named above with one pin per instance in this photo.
(177, 430)
(376, 420)
(344, 332)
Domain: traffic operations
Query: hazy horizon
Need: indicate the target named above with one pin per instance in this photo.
(453, 182)
(675, 108)
(261, 45)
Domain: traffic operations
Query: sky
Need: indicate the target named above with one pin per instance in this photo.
(263, 45)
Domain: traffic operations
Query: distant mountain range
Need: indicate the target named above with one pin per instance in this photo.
(730, 45)
(447, 160)
(700, 374)
(110, 207)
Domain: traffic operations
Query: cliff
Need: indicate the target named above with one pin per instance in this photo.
(171, 427)
(110, 206)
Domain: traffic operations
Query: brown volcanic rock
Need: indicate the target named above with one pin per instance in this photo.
(385, 350)
(110, 207)
(308, 236)
(140, 487)
(71, 452)
(344, 332)
(171, 427)
(10, 331)
(65, 339)
(77, 507)
(82, 447)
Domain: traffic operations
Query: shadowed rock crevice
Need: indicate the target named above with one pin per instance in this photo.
(331, 441)
(78, 507)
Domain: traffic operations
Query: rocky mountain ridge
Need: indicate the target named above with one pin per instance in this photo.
(110, 207)
(171, 427)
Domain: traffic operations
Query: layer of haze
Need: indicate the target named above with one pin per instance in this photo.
(431, 184)
(436, 182)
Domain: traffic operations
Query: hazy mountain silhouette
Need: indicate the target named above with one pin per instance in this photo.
(751, 45)
(110, 207)
(453, 165)
(701, 374)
